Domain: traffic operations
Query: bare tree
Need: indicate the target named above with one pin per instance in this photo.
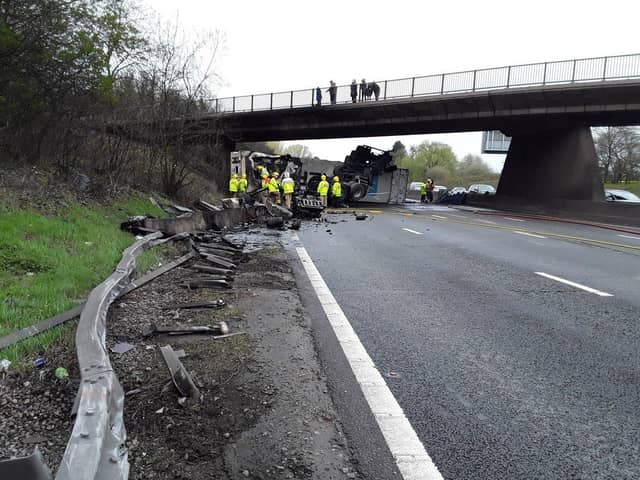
(618, 150)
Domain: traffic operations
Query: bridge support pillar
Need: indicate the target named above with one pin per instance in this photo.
(221, 147)
(558, 164)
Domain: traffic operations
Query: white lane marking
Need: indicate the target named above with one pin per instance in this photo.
(412, 231)
(439, 216)
(513, 219)
(574, 284)
(528, 234)
(408, 451)
(459, 216)
(486, 221)
(628, 236)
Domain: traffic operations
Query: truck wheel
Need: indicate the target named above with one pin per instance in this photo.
(358, 191)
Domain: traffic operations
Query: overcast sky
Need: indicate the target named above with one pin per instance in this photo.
(281, 45)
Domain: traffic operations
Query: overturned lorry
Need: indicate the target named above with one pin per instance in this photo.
(367, 174)
(305, 203)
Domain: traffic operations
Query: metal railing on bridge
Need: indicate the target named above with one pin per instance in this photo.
(597, 69)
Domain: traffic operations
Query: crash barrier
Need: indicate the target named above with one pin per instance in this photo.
(598, 69)
(96, 449)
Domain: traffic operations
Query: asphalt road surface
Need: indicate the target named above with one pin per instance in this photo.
(504, 370)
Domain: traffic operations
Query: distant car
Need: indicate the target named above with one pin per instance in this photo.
(415, 186)
(482, 189)
(456, 190)
(440, 188)
(621, 196)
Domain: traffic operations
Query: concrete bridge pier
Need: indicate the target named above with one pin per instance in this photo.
(552, 164)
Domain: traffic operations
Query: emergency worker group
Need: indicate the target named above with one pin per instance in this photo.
(329, 194)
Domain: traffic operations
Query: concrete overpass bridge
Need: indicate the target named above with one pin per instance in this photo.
(547, 109)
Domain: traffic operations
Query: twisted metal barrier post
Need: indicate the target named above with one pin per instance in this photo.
(96, 449)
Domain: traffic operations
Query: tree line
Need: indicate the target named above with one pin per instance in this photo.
(437, 161)
(618, 150)
(72, 69)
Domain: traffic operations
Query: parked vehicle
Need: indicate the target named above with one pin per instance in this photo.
(621, 196)
(482, 189)
(456, 190)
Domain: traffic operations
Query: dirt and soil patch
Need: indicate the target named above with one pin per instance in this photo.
(265, 413)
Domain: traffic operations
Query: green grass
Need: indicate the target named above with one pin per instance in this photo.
(632, 186)
(50, 264)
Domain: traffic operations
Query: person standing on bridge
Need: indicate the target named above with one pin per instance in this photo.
(274, 188)
(288, 187)
(323, 190)
(333, 92)
(242, 184)
(354, 91)
(336, 192)
(363, 89)
(233, 185)
(318, 97)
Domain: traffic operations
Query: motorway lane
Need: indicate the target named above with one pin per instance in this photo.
(467, 214)
(502, 373)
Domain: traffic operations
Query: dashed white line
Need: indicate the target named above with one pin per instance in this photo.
(439, 216)
(628, 236)
(412, 231)
(408, 451)
(514, 219)
(528, 234)
(574, 284)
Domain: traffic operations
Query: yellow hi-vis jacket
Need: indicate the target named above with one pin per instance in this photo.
(336, 189)
(323, 188)
(233, 185)
(273, 185)
(288, 185)
(242, 185)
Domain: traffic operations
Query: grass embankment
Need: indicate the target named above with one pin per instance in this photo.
(49, 264)
(633, 186)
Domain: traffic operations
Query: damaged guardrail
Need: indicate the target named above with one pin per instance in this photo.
(96, 449)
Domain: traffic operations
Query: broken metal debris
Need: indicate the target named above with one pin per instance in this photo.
(222, 329)
(181, 378)
(215, 304)
(207, 283)
(123, 347)
(31, 467)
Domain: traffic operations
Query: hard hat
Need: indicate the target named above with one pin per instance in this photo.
(264, 175)
(244, 175)
(336, 179)
(259, 167)
(235, 175)
(275, 174)
(323, 177)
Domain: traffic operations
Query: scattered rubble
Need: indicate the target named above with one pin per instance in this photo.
(261, 411)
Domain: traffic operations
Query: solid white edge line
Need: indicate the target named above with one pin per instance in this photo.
(628, 236)
(514, 219)
(408, 451)
(412, 231)
(439, 216)
(528, 234)
(574, 284)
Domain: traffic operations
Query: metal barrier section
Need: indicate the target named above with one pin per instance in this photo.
(584, 70)
(96, 449)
